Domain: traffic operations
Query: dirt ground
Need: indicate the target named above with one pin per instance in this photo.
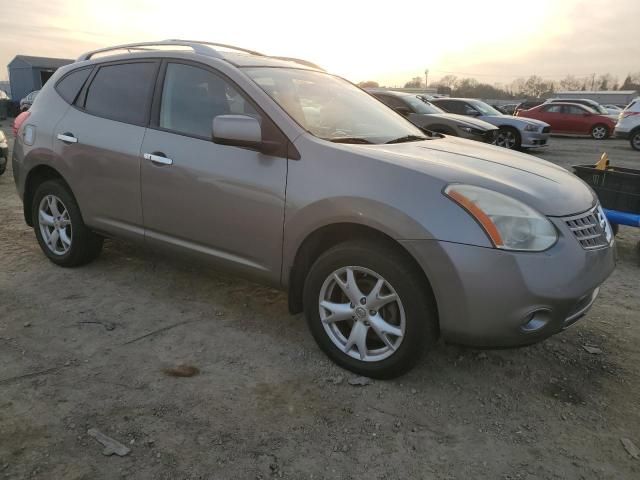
(86, 348)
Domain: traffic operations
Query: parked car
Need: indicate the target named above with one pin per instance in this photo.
(526, 105)
(384, 237)
(4, 152)
(513, 132)
(572, 118)
(27, 101)
(424, 114)
(628, 126)
(613, 109)
(587, 102)
(508, 109)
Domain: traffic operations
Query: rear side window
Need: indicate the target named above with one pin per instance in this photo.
(553, 109)
(71, 84)
(122, 92)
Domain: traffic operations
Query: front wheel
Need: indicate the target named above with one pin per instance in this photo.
(634, 139)
(59, 228)
(369, 309)
(508, 137)
(599, 132)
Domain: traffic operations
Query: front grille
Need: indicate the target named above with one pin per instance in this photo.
(591, 228)
(546, 129)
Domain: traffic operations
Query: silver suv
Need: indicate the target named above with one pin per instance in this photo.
(387, 239)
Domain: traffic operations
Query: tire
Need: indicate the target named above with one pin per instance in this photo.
(81, 245)
(412, 314)
(600, 132)
(634, 139)
(508, 137)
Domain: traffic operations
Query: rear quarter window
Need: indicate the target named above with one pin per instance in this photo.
(69, 86)
(122, 92)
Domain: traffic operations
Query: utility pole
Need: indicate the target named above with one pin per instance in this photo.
(426, 78)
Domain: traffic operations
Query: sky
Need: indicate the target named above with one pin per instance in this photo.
(494, 41)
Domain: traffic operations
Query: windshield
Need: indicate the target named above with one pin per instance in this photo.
(332, 108)
(421, 106)
(485, 108)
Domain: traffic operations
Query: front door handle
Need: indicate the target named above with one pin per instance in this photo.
(67, 137)
(158, 158)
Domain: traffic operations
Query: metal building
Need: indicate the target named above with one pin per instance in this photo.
(27, 74)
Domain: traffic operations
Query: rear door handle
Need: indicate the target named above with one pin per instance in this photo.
(67, 137)
(158, 158)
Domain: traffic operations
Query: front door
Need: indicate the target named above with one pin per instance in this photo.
(224, 202)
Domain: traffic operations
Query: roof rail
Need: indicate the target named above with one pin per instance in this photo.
(202, 48)
(300, 61)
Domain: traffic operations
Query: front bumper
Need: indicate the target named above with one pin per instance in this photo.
(534, 139)
(493, 298)
(622, 134)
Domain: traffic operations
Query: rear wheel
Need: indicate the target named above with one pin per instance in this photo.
(599, 132)
(369, 309)
(634, 139)
(61, 233)
(508, 137)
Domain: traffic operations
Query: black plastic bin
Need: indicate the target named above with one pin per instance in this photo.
(617, 188)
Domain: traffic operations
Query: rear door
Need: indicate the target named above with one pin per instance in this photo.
(223, 202)
(100, 138)
(553, 114)
(578, 119)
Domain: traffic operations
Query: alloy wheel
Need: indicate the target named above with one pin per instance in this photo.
(362, 314)
(506, 139)
(635, 141)
(55, 224)
(599, 132)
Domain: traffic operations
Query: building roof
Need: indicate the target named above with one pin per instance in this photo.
(41, 62)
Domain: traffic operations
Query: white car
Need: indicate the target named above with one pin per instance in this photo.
(612, 109)
(628, 126)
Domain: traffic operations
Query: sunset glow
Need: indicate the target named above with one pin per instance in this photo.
(494, 40)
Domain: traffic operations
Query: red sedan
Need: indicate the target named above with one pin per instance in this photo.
(572, 118)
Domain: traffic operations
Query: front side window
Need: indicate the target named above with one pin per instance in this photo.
(122, 92)
(576, 110)
(331, 108)
(485, 108)
(193, 96)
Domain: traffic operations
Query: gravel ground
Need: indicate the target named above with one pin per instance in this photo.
(87, 348)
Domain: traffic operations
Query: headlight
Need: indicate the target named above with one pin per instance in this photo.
(471, 130)
(509, 223)
(530, 128)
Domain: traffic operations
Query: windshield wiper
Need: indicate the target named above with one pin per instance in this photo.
(349, 140)
(408, 138)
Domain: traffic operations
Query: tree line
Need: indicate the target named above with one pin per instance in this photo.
(532, 87)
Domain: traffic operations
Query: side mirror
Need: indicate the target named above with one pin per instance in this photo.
(404, 111)
(472, 113)
(240, 131)
(587, 114)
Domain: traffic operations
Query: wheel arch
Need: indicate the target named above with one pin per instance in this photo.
(327, 236)
(36, 176)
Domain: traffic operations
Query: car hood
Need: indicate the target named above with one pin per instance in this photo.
(517, 122)
(549, 189)
(458, 119)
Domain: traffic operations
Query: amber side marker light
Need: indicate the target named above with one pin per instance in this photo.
(481, 217)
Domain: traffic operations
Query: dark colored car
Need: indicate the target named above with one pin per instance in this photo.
(572, 118)
(526, 105)
(424, 114)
